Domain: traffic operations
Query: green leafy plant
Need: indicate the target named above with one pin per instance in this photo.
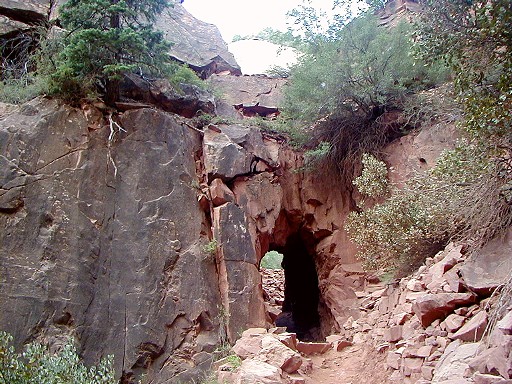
(211, 247)
(373, 181)
(36, 364)
(473, 37)
(272, 260)
(346, 83)
(104, 39)
(461, 198)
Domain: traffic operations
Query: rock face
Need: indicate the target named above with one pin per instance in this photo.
(93, 244)
(248, 95)
(196, 43)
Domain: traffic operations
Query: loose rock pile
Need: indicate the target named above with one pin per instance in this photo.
(273, 291)
(431, 326)
(272, 356)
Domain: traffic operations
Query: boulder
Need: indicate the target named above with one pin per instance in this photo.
(489, 267)
(481, 378)
(248, 345)
(196, 43)
(393, 334)
(505, 324)
(258, 372)
(220, 193)
(436, 306)
(312, 348)
(279, 355)
(454, 362)
(183, 99)
(453, 322)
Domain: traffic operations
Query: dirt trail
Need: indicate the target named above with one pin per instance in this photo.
(358, 364)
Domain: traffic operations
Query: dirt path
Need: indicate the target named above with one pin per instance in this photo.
(358, 364)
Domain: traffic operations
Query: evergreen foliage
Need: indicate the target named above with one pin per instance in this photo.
(36, 364)
(104, 39)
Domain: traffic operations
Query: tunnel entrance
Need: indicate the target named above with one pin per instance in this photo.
(299, 310)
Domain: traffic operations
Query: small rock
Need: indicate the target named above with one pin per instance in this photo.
(473, 329)
(415, 285)
(259, 372)
(312, 348)
(453, 322)
(412, 365)
(424, 351)
(505, 324)
(393, 360)
(430, 307)
(393, 334)
(481, 378)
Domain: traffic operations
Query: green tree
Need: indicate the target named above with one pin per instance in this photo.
(346, 82)
(475, 39)
(104, 39)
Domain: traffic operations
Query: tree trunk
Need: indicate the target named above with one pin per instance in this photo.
(112, 85)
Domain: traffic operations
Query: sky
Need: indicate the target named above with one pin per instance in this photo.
(245, 17)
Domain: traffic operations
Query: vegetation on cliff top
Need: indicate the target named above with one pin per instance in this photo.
(102, 41)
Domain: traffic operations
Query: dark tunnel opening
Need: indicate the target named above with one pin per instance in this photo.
(301, 293)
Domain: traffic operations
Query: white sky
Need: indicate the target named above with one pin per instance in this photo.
(246, 17)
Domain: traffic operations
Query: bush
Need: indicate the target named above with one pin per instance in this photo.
(473, 37)
(272, 260)
(106, 39)
(37, 365)
(462, 198)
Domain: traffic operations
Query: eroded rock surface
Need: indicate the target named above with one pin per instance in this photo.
(103, 240)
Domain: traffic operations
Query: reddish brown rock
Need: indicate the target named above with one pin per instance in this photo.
(505, 324)
(424, 351)
(288, 339)
(473, 329)
(249, 345)
(412, 365)
(481, 378)
(259, 372)
(312, 348)
(415, 285)
(490, 267)
(220, 193)
(453, 322)
(393, 359)
(454, 362)
(436, 306)
(393, 334)
(427, 372)
(277, 354)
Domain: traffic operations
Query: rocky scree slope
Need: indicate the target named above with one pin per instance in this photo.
(440, 325)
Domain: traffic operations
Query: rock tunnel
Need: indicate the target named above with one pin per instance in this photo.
(302, 306)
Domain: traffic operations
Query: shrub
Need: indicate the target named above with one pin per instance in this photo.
(272, 260)
(373, 181)
(342, 88)
(36, 364)
(461, 198)
(474, 38)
